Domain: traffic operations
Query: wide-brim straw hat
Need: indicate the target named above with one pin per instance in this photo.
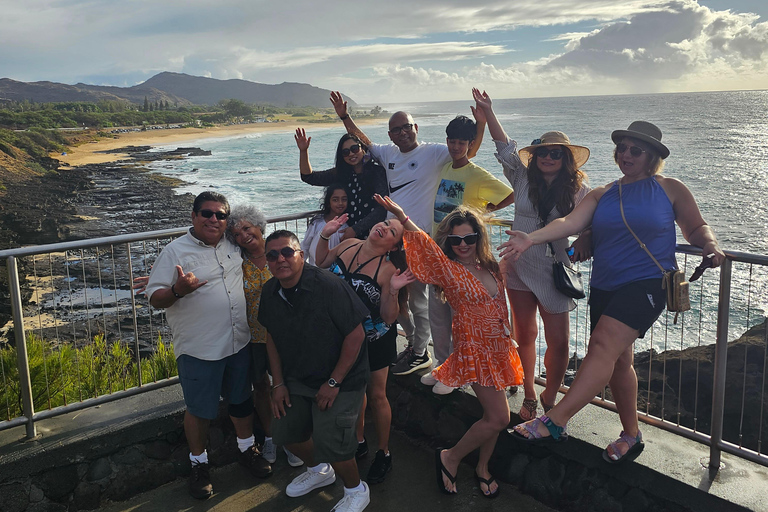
(580, 153)
(646, 132)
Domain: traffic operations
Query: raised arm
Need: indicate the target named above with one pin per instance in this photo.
(302, 141)
(340, 106)
(483, 102)
(395, 209)
(323, 255)
(479, 116)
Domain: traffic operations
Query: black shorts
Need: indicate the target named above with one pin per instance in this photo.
(383, 351)
(637, 304)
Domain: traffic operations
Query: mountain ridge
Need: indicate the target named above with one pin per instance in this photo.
(175, 88)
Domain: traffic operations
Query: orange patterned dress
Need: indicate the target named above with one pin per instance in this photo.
(484, 352)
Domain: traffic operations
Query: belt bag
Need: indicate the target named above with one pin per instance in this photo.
(673, 281)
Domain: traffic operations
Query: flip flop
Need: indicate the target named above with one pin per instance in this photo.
(441, 470)
(635, 445)
(557, 434)
(528, 409)
(487, 482)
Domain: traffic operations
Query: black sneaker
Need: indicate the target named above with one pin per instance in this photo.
(411, 362)
(255, 462)
(382, 464)
(200, 481)
(407, 350)
(362, 449)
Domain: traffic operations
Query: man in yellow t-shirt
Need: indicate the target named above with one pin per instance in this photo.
(461, 182)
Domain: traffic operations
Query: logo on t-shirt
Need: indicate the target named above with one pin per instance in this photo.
(393, 189)
(450, 194)
(391, 165)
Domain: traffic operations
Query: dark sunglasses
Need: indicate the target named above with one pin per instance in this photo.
(207, 214)
(286, 251)
(470, 239)
(397, 129)
(351, 149)
(554, 154)
(633, 150)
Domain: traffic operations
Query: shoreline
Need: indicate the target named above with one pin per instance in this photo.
(94, 152)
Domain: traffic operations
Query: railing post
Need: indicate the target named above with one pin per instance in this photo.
(22, 361)
(721, 358)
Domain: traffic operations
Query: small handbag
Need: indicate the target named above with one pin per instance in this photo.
(673, 281)
(567, 279)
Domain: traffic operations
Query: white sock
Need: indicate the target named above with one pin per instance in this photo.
(320, 468)
(266, 439)
(244, 444)
(199, 459)
(360, 488)
(422, 353)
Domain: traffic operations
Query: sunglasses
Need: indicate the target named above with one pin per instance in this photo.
(397, 129)
(355, 148)
(633, 150)
(286, 251)
(207, 214)
(554, 154)
(470, 239)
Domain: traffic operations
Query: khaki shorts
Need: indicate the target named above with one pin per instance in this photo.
(332, 431)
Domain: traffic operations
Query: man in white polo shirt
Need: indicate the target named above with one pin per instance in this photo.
(198, 279)
(413, 172)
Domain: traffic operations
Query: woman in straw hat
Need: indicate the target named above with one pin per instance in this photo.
(626, 295)
(548, 183)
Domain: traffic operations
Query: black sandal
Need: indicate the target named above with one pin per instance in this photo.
(441, 470)
(487, 482)
(530, 406)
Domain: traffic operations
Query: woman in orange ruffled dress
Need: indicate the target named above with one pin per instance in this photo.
(459, 261)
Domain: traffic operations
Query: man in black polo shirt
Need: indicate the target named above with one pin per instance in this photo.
(319, 368)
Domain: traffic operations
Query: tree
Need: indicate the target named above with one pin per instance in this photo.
(146, 104)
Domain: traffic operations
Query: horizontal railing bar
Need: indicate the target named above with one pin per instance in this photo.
(122, 239)
(743, 453)
(91, 402)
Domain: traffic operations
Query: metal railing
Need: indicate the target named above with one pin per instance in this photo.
(79, 296)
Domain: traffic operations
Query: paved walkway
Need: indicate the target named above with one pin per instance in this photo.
(410, 486)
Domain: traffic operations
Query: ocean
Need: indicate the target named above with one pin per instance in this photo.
(718, 143)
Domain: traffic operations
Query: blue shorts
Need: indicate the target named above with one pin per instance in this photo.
(203, 382)
(637, 304)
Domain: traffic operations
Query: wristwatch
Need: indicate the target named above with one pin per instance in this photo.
(333, 383)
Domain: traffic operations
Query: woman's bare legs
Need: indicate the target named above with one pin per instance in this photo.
(624, 389)
(482, 434)
(524, 305)
(557, 333)
(382, 412)
(608, 342)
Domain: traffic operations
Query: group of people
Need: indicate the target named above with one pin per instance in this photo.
(403, 235)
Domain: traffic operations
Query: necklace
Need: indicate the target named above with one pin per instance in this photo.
(475, 264)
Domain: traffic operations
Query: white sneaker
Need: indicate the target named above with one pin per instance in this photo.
(310, 480)
(354, 501)
(269, 451)
(293, 460)
(441, 389)
(428, 379)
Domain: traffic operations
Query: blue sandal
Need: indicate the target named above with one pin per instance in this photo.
(556, 433)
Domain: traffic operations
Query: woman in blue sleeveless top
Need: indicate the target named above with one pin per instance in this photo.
(626, 295)
(376, 270)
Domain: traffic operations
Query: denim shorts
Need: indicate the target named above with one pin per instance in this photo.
(203, 382)
(332, 430)
(637, 304)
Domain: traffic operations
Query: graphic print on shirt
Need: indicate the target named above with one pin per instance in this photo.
(450, 194)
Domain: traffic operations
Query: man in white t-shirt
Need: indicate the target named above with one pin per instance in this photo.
(413, 172)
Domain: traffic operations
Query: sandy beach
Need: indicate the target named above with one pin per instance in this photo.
(93, 152)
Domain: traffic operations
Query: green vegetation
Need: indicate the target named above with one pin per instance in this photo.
(65, 374)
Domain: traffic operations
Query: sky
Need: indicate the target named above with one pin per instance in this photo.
(397, 50)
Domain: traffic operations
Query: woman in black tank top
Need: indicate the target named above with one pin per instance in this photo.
(375, 268)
